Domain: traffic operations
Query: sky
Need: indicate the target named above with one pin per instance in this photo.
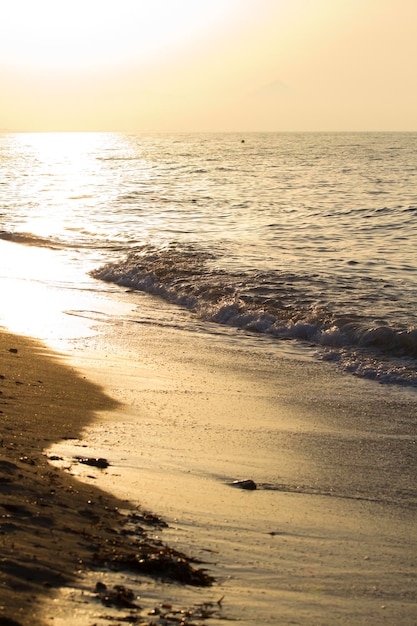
(208, 65)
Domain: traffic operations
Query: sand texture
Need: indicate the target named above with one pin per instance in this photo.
(52, 527)
(328, 537)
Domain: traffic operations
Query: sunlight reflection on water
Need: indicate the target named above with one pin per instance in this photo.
(37, 288)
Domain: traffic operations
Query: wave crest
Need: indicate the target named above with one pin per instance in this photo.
(268, 303)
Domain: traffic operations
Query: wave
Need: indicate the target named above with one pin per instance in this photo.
(278, 304)
(84, 241)
(29, 239)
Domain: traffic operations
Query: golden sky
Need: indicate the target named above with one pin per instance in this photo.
(208, 65)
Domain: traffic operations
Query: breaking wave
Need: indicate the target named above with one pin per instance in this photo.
(275, 303)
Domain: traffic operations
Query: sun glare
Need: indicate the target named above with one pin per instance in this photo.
(45, 34)
(65, 175)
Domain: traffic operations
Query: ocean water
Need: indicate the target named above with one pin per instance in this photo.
(252, 302)
(304, 237)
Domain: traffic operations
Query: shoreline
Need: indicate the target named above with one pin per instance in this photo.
(328, 534)
(53, 527)
(176, 426)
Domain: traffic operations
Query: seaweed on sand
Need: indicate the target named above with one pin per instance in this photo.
(151, 557)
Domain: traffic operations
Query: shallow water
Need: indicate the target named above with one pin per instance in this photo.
(304, 236)
(225, 293)
(329, 530)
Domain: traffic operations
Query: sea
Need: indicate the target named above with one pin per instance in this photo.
(250, 301)
(309, 238)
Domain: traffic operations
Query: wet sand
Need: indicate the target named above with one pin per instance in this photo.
(328, 537)
(53, 528)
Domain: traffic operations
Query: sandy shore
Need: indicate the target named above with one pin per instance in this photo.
(54, 528)
(327, 538)
(329, 535)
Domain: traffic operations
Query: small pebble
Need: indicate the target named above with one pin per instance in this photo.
(244, 484)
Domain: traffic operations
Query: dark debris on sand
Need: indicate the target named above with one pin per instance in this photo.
(54, 528)
(120, 597)
(147, 556)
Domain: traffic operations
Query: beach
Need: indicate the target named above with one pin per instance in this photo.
(329, 534)
(327, 537)
(181, 313)
(54, 527)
